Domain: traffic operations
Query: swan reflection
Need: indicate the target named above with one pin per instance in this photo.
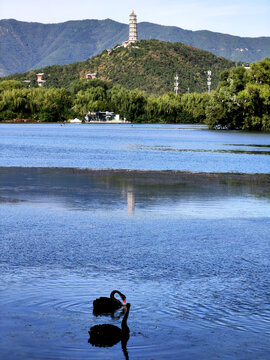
(108, 335)
(131, 200)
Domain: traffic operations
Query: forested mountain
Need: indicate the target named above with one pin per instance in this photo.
(25, 46)
(148, 65)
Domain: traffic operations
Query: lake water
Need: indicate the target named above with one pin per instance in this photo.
(191, 253)
(155, 147)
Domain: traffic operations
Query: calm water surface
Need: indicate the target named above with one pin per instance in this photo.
(191, 255)
(192, 258)
(155, 147)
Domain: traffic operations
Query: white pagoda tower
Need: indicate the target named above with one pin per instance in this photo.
(133, 36)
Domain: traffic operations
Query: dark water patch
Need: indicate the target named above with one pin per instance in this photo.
(180, 194)
(220, 151)
(250, 145)
(6, 200)
(143, 176)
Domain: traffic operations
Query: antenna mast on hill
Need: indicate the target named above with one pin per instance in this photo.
(176, 84)
(209, 73)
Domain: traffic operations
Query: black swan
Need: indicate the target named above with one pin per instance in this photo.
(108, 305)
(107, 335)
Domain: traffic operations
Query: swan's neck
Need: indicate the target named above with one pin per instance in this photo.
(124, 326)
(113, 293)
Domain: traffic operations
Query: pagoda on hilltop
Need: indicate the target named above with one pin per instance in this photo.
(133, 35)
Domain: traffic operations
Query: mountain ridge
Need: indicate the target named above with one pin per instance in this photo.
(31, 45)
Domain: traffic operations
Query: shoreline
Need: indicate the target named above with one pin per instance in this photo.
(150, 176)
(26, 121)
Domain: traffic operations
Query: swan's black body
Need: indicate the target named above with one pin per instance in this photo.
(106, 335)
(105, 305)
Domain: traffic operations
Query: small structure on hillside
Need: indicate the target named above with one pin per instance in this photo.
(27, 83)
(39, 79)
(125, 43)
(91, 76)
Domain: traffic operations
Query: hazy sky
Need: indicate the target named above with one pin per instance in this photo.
(237, 17)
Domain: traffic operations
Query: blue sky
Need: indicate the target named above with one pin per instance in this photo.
(238, 17)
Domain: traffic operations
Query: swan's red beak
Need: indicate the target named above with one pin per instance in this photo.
(125, 302)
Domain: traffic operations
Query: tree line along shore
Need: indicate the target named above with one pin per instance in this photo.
(241, 101)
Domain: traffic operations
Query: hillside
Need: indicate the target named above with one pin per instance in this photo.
(26, 46)
(149, 65)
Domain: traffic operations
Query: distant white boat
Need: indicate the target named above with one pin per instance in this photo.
(76, 121)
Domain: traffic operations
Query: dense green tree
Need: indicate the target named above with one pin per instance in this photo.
(42, 104)
(55, 105)
(13, 103)
(224, 110)
(194, 105)
(93, 99)
(83, 85)
(152, 109)
(128, 103)
(260, 72)
(10, 84)
(136, 108)
(235, 80)
(241, 100)
(170, 107)
(256, 107)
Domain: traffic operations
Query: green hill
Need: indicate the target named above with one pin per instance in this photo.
(149, 65)
(26, 46)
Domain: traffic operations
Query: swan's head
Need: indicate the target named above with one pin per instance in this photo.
(123, 297)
